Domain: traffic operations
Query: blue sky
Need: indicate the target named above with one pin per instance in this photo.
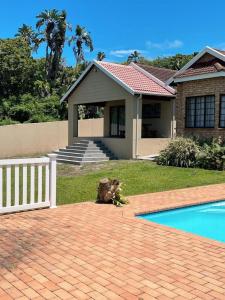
(155, 28)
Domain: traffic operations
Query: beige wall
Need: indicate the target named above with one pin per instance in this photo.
(38, 138)
(152, 146)
(34, 138)
(91, 127)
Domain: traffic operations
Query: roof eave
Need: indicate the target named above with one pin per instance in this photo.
(199, 77)
(153, 94)
(207, 49)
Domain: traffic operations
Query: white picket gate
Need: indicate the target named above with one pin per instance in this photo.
(27, 183)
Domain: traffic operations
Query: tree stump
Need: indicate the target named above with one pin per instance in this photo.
(107, 190)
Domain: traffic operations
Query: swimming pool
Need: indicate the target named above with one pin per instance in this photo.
(207, 220)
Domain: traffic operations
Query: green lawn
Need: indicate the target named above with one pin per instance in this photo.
(77, 185)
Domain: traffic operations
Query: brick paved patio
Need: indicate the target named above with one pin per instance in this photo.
(91, 251)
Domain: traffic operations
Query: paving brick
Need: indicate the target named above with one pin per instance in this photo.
(89, 251)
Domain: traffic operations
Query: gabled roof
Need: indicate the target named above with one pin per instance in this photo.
(195, 69)
(132, 78)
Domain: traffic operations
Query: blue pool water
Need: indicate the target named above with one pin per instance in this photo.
(207, 220)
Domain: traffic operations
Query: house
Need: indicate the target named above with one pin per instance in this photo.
(139, 107)
(200, 100)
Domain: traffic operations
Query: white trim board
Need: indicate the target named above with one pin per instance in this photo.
(199, 77)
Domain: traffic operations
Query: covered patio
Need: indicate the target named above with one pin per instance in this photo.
(138, 108)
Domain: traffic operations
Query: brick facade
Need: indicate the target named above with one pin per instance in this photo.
(203, 87)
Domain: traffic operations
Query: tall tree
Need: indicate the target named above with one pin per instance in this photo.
(26, 33)
(17, 67)
(54, 25)
(101, 56)
(134, 57)
(81, 38)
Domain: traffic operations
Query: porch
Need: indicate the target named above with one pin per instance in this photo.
(130, 128)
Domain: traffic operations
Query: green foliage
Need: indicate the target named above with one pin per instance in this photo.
(181, 152)
(175, 62)
(17, 67)
(118, 198)
(212, 156)
(28, 108)
(187, 152)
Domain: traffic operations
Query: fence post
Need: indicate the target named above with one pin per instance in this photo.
(52, 180)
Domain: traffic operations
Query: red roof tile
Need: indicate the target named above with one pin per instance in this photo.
(162, 74)
(135, 79)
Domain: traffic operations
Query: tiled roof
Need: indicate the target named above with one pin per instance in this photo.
(135, 79)
(213, 66)
(162, 74)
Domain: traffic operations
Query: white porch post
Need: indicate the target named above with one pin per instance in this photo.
(52, 180)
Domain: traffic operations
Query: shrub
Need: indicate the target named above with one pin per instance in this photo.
(181, 152)
(211, 156)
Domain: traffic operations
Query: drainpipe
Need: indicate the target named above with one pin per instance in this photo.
(137, 117)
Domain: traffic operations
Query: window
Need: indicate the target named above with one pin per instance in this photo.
(222, 111)
(117, 121)
(200, 112)
(151, 111)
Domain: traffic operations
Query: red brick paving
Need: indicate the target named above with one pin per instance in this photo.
(91, 251)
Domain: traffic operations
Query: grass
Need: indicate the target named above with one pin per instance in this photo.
(75, 184)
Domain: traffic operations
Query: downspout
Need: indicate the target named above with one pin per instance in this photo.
(137, 117)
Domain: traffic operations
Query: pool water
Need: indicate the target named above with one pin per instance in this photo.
(207, 220)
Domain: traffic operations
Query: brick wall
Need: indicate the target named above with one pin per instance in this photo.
(212, 86)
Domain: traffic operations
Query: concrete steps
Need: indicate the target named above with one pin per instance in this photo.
(84, 151)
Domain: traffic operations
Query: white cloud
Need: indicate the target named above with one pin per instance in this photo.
(122, 53)
(165, 45)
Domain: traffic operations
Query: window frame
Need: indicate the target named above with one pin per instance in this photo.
(144, 115)
(186, 111)
(117, 107)
(220, 109)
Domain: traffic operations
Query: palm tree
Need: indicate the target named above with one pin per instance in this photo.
(29, 36)
(54, 25)
(80, 39)
(134, 57)
(101, 56)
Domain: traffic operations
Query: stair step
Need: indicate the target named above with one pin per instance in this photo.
(74, 154)
(81, 158)
(84, 151)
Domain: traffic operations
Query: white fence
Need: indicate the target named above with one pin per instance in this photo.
(27, 183)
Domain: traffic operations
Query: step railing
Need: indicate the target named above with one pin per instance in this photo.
(27, 184)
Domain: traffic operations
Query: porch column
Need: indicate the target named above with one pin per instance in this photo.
(137, 125)
(173, 119)
(75, 120)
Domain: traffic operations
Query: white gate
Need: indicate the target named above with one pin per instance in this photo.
(27, 183)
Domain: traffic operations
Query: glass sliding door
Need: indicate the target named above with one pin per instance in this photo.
(117, 121)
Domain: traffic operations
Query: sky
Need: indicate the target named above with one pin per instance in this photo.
(118, 27)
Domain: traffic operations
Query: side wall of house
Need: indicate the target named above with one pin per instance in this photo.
(212, 86)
